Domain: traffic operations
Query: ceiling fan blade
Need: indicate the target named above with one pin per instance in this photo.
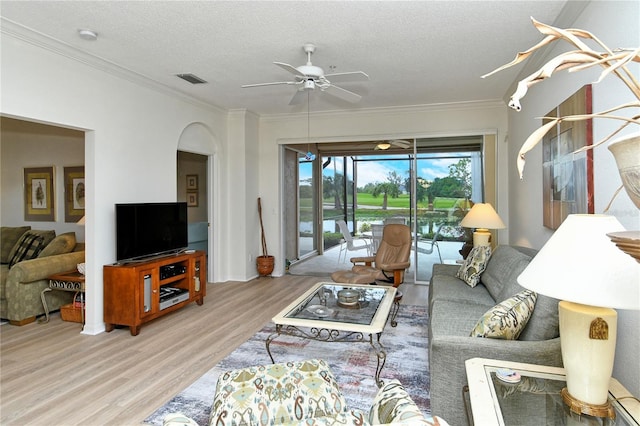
(400, 143)
(269, 84)
(299, 97)
(290, 68)
(347, 76)
(341, 93)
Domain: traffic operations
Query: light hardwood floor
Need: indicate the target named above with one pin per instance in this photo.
(50, 374)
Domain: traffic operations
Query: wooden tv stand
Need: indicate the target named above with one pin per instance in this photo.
(132, 291)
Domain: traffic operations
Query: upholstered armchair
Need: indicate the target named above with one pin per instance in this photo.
(388, 264)
(301, 393)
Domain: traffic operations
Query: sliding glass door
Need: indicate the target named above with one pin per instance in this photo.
(428, 184)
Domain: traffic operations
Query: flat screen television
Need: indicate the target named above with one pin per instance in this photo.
(149, 229)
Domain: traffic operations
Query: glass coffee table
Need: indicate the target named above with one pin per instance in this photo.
(535, 399)
(332, 312)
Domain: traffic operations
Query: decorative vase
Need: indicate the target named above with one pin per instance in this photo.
(627, 154)
(264, 265)
(626, 151)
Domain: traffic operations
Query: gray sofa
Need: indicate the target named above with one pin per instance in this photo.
(454, 310)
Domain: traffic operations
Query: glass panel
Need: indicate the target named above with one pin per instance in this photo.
(443, 189)
(333, 204)
(307, 207)
(325, 306)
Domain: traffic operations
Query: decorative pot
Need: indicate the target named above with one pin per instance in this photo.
(627, 154)
(265, 265)
(348, 296)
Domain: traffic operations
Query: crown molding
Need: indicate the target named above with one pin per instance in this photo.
(394, 110)
(35, 38)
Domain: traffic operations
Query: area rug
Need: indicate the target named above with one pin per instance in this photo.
(353, 365)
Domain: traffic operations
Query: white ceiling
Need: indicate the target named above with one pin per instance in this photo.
(415, 52)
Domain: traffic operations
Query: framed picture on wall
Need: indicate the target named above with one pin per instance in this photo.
(74, 193)
(38, 194)
(567, 175)
(192, 199)
(192, 182)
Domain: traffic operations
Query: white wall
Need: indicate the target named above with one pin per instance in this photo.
(616, 24)
(435, 120)
(131, 141)
(25, 144)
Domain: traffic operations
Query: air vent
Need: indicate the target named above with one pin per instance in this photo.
(191, 78)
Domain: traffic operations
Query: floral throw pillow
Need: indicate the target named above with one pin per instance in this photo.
(507, 319)
(474, 265)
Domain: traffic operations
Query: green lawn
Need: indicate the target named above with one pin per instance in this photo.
(397, 207)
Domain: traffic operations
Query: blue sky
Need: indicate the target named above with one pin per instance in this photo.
(377, 171)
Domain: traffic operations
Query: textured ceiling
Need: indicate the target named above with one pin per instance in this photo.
(416, 52)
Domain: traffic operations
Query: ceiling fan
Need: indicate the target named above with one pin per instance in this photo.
(398, 143)
(308, 77)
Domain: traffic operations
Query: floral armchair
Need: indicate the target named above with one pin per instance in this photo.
(301, 393)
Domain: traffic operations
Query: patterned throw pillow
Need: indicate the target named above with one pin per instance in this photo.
(474, 265)
(507, 319)
(27, 247)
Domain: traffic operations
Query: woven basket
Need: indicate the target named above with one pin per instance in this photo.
(71, 313)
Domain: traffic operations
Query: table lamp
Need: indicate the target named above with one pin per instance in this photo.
(583, 268)
(483, 217)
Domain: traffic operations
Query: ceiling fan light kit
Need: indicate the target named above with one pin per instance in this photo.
(397, 143)
(307, 77)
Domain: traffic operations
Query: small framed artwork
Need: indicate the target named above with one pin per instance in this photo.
(74, 193)
(192, 199)
(192, 182)
(38, 194)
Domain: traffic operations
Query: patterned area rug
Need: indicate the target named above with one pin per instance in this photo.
(353, 365)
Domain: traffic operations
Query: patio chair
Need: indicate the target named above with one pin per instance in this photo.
(376, 237)
(348, 242)
(431, 244)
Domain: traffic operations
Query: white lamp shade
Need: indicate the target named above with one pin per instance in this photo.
(482, 215)
(581, 264)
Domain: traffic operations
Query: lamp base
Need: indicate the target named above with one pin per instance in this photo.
(481, 237)
(580, 407)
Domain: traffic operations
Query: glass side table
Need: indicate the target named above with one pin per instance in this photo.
(535, 400)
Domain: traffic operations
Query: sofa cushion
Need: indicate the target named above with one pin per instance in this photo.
(507, 319)
(506, 263)
(474, 265)
(27, 247)
(544, 323)
(454, 289)
(9, 236)
(63, 243)
(455, 318)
